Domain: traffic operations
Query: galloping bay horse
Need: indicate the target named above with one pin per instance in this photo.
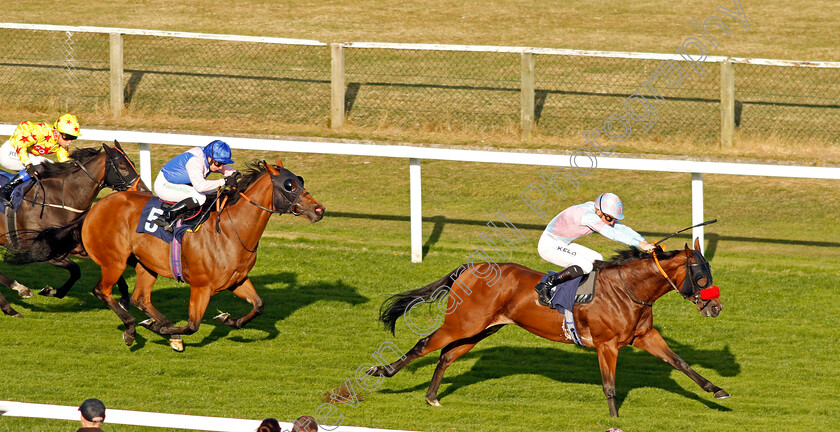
(66, 190)
(486, 297)
(215, 258)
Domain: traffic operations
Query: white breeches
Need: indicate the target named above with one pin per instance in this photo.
(176, 192)
(10, 160)
(567, 254)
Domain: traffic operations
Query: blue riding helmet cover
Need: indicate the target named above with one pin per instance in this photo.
(218, 150)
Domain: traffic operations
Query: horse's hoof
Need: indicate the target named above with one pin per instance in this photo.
(128, 338)
(373, 371)
(125, 304)
(433, 402)
(22, 290)
(222, 317)
(17, 315)
(721, 394)
(177, 344)
(48, 291)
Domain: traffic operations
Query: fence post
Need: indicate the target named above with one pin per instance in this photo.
(416, 210)
(727, 103)
(337, 86)
(527, 93)
(117, 97)
(146, 165)
(697, 208)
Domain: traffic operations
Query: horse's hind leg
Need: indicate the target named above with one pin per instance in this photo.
(21, 289)
(103, 291)
(654, 343)
(246, 291)
(75, 275)
(7, 308)
(437, 340)
(449, 354)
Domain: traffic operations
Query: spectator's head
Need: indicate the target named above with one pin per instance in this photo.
(269, 425)
(305, 424)
(93, 413)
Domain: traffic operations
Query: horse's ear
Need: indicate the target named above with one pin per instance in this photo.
(278, 162)
(271, 169)
(117, 145)
(697, 245)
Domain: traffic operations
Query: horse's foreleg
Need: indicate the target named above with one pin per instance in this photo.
(75, 275)
(142, 299)
(102, 291)
(448, 355)
(7, 308)
(654, 343)
(245, 291)
(21, 289)
(199, 299)
(607, 358)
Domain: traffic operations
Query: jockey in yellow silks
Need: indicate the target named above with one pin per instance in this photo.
(25, 150)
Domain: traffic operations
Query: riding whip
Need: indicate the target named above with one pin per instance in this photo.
(708, 222)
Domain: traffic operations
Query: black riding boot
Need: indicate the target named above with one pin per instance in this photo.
(544, 288)
(172, 214)
(6, 191)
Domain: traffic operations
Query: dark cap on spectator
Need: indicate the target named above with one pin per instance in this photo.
(93, 410)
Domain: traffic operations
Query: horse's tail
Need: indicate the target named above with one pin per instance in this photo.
(398, 304)
(48, 244)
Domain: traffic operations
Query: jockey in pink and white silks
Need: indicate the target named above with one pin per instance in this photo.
(557, 243)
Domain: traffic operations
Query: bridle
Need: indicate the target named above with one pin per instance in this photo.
(692, 289)
(123, 183)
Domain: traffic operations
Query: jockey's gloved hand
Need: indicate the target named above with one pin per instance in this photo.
(34, 170)
(230, 181)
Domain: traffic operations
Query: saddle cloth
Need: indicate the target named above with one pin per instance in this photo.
(151, 211)
(579, 290)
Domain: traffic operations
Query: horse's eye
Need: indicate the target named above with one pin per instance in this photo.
(289, 185)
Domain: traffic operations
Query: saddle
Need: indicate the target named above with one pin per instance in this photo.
(580, 290)
(193, 220)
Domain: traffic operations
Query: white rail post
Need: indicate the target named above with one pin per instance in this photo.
(697, 208)
(527, 95)
(117, 97)
(416, 209)
(337, 87)
(146, 164)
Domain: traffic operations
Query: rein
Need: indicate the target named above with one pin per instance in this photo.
(633, 295)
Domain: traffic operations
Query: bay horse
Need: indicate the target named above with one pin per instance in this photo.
(64, 191)
(215, 258)
(491, 295)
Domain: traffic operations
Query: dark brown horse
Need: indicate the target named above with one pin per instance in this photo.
(485, 297)
(67, 189)
(215, 258)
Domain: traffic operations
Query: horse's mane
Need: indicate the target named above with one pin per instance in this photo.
(80, 155)
(632, 254)
(253, 170)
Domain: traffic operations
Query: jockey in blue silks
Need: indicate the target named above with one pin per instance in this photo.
(183, 179)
